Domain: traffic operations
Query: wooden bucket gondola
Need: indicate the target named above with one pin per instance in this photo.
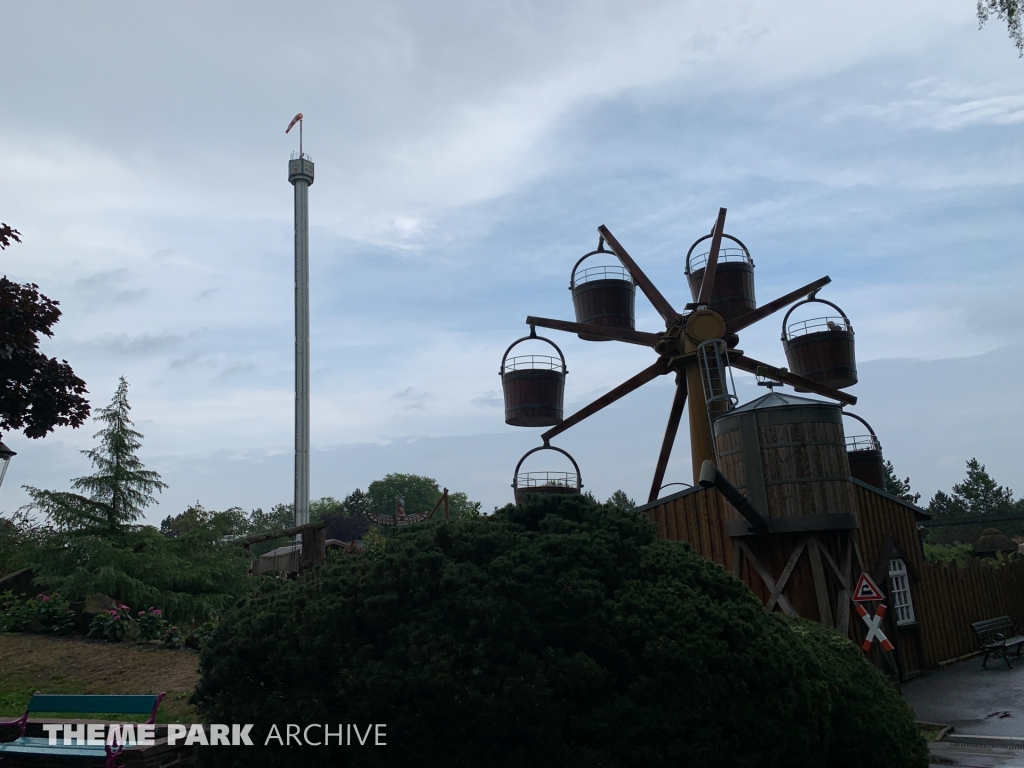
(821, 349)
(865, 455)
(602, 295)
(546, 482)
(734, 278)
(533, 386)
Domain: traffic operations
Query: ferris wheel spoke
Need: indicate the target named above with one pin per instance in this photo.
(750, 365)
(607, 332)
(764, 310)
(643, 281)
(674, 416)
(650, 373)
(707, 285)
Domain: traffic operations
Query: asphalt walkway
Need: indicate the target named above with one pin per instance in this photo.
(976, 702)
(981, 702)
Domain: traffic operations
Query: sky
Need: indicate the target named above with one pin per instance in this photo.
(465, 154)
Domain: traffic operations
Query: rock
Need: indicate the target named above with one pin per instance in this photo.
(97, 603)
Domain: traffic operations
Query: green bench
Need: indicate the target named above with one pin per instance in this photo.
(76, 704)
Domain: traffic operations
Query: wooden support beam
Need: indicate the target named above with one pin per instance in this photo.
(674, 416)
(750, 365)
(820, 582)
(612, 334)
(643, 282)
(259, 537)
(707, 284)
(659, 368)
(786, 573)
(738, 324)
(766, 577)
(845, 594)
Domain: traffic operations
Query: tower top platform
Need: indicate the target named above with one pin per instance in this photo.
(300, 168)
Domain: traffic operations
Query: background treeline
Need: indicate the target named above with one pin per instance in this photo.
(90, 539)
(959, 517)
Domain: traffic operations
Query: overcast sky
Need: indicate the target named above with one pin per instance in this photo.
(465, 154)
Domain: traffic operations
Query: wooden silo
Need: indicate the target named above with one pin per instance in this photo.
(787, 455)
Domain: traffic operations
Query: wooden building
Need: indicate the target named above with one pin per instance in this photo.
(886, 541)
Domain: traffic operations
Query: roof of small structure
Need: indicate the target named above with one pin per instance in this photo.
(776, 400)
(281, 551)
(993, 540)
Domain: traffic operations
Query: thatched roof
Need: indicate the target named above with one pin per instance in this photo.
(993, 541)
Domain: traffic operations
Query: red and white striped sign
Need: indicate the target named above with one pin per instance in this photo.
(874, 629)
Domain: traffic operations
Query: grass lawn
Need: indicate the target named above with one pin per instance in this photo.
(30, 663)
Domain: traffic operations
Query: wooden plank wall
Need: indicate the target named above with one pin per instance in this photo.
(698, 518)
(882, 520)
(947, 598)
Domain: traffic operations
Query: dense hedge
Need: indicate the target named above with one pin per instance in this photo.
(557, 634)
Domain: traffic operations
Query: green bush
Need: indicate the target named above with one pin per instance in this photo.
(948, 553)
(43, 614)
(864, 706)
(113, 625)
(189, 576)
(561, 633)
(150, 625)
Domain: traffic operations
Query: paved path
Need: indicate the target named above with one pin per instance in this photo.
(983, 702)
(946, 754)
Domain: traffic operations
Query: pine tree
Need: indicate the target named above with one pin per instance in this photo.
(898, 488)
(117, 494)
(978, 496)
(620, 500)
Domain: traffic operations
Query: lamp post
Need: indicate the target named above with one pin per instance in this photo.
(5, 459)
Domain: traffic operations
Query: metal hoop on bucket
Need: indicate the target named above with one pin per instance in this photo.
(547, 447)
(815, 300)
(600, 250)
(698, 241)
(533, 335)
(874, 438)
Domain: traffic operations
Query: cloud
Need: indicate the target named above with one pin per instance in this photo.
(108, 287)
(465, 154)
(124, 344)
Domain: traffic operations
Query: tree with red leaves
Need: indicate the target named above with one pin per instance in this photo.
(37, 393)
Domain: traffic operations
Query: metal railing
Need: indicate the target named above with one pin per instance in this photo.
(533, 363)
(302, 156)
(547, 479)
(817, 325)
(724, 254)
(862, 443)
(609, 272)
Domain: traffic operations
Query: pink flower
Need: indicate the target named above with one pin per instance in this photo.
(46, 598)
(142, 613)
(157, 612)
(123, 607)
(117, 618)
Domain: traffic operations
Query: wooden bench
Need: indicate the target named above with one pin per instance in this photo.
(995, 637)
(76, 704)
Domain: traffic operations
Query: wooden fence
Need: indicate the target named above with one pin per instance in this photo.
(953, 596)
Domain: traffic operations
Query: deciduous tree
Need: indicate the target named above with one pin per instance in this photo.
(1009, 11)
(37, 393)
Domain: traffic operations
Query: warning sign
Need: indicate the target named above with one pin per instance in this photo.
(874, 628)
(866, 590)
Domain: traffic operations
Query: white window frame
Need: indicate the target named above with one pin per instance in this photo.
(899, 591)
